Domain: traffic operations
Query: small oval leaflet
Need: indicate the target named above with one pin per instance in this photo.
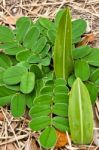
(93, 91)
(48, 137)
(39, 123)
(13, 74)
(6, 34)
(93, 57)
(27, 82)
(95, 77)
(5, 61)
(82, 70)
(81, 51)
(31, 36)
(18, 105)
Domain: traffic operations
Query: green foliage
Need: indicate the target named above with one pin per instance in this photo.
(6, 34)
(18, 105)
(63, 63)
(13, 75)
(48, 137)
(27, 83)
(80, 114)
(50, 108)
(32, 56)
(82, 70)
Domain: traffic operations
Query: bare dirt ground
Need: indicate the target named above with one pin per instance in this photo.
(14, 133)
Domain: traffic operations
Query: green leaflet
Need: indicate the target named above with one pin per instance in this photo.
(1, 75)
(13, 87)
(31, 37)
(30, 98)
(39, 45)
(93, 91)
(37, 71)
(5, 61)
(48, 137)
(4, 91)
(27, 82)
(51, 35)
(80, 114)
(6, 34)
(13, 74)
(61, 112)
(23, 55)
(46, 23)
(81, 51)
(79, 27)
(63, 63)
(21, 20)
(82, 70)
(93, 57)
(18, 105)
(39, 123)
(38, 110)
(94, 77)
(6, 100)
(14, 50)
(60, 123)
(5, 95)
(22, 30)
(71, 80)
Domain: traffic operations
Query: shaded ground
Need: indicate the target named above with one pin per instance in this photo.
(15, 134)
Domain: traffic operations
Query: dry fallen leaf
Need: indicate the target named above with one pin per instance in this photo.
(10, 19)
(1, 116)
(10, 147)
(87, 38)
(62, 139)
(31, 145)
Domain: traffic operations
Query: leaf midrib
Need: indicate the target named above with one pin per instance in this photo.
(81, 112)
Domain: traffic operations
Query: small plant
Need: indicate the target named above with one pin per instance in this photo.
(43, 66)
(50, 111)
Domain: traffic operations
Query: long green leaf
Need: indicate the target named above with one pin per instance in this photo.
(80, 114)
(63, 62)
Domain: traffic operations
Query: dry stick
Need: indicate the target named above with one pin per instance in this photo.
(69, 141)
(4, 3)
(11, 128)
(14, 139)
(85, 3)
(6, 11)
(75, 6)
(84, 10)
(48, 4)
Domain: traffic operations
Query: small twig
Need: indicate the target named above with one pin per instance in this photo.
(11, 128)
(14, 139)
